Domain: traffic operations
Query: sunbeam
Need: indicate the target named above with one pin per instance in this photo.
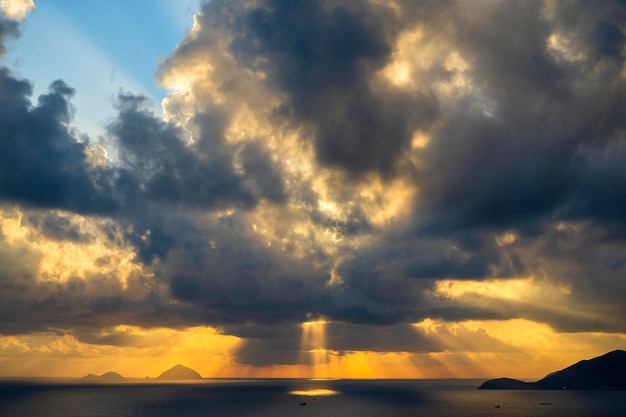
(313, 353)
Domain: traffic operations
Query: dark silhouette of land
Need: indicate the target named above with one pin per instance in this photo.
(176, 373)
(179, 372)
(109, 376)
(602, 373)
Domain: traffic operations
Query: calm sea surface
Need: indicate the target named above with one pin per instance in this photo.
(275, 398)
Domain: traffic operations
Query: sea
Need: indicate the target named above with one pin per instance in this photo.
(295, 397)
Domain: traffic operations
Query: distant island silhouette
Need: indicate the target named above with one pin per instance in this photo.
(109, 376)
(601, 373)
(179, 372)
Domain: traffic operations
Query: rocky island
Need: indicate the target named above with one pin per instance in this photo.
(604, 372)
(179, 373)
(109, 376)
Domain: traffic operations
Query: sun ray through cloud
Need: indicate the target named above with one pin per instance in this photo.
(313, 344)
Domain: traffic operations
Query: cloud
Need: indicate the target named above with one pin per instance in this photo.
(43, 163)
(17, 9)
(321, 60)
(327, 160)
(8, 29)
(56, 226)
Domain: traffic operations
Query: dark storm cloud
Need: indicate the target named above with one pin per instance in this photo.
(536, 142)
(408, 338)
(271, 351)
(262, 178)
(464, 256)
(390, 283)
(519, 162)
(239, 278)
(607, 39)
(18, 269)
(44, 164)
(541, 146)
(602, 185)
(57, 227)
(294, 345)
(590, 259)
(154, 234)
(41, 163)
(158, 179)
(532, 151)
(160, 167)
(485, 175)
(265, 345)
(502, 166)
(599, 25)
(81, 305)
(321, 57)
(112, 337)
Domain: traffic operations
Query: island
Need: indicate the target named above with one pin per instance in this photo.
(606, 372)
(179, 373)
(109, 376)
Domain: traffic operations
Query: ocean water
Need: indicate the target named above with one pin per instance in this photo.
(277, 398)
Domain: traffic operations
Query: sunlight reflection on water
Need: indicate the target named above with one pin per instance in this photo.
(314, 392)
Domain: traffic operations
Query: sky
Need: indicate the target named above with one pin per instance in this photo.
(329, 189)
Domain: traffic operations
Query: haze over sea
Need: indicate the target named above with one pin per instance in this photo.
(286, 397)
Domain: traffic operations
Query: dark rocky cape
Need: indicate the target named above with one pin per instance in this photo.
(109, 376)
(179, 372)
(604, 372)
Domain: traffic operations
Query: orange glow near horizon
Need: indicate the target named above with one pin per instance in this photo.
(146, 352)
(521, 349)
